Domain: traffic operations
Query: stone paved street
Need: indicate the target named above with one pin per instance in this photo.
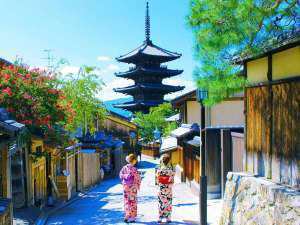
(103, 204)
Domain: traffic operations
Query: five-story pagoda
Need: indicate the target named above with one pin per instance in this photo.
(148, 73)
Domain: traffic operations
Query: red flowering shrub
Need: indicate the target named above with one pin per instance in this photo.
(32, 97)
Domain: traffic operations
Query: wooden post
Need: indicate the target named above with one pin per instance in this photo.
(245, 116)
(270, 121)
(226, 157)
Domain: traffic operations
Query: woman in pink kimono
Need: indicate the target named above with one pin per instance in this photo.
(165, 178)
(131, 181)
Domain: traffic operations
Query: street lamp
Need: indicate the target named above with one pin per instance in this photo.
(132, 136)
(157, 136)
(201, 95)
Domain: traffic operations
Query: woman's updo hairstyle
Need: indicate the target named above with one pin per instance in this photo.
(165, 159)
(131, 158)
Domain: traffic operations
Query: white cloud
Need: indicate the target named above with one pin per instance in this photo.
(108, 69)
(69, 69)
(103, 58)
(107, 93)
(112, 67)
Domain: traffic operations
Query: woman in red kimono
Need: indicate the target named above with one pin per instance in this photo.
(131, 181)
(165, 178)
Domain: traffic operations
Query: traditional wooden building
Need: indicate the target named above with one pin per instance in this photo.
(229, 112)
(220, 157)
(65, 175)
(89, 161)
(191, 159)
(37, 185)
(10, 145)
(220, 119)
(148, 73)
(176, 146)
(272, 139)
(272, 105)
(98, 152)
(123, 128)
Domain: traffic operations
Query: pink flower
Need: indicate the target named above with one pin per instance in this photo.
(27, 96)
(7, 91)
(6, 76)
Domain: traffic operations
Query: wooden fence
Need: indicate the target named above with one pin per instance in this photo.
(232, 153)
(238, 151)
(151, 150)
(273, 131)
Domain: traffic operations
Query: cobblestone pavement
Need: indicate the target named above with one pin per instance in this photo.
(103, 204)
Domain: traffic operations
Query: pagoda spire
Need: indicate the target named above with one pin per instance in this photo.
(148, 74)
(147, 24)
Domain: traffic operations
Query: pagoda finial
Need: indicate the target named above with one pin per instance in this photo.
(147, 24)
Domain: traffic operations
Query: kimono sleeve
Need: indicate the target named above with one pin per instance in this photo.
(137, 178)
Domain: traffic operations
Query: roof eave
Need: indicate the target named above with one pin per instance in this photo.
(279, 47)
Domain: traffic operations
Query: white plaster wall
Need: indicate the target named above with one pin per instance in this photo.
(228, 113)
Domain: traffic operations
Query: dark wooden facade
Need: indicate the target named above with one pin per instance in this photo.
(272, 106)
(273, 121)
(149, 149)
(220, 157)
(191, 166)
(238, 151)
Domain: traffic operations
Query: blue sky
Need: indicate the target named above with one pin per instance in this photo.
(94, 32)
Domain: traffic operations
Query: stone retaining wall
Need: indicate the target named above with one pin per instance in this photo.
(253, 200)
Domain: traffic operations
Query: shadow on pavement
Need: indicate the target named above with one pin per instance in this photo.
(89, 210)
(185, 204)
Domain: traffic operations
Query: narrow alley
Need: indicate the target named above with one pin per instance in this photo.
(103, 204)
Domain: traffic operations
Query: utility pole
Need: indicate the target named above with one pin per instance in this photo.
(49, 60)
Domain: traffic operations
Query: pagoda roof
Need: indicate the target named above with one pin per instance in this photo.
(148, 52)
(138, 105)
(163, 88)
(144, 71)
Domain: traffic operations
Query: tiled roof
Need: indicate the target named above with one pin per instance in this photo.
(168, 143)
(150, 86)
(141, 71)
(110, 106)
(8, 125)
(286, 41)
(148, 49)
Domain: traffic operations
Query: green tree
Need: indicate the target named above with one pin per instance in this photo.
(227, 29)
(81, 90)
(155, 119)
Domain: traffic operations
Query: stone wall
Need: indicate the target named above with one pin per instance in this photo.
(255, 200)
